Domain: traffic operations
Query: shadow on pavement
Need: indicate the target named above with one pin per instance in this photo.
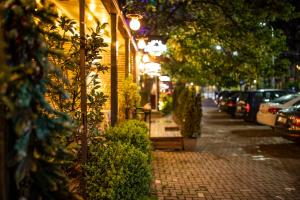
(254, 133)
(286, 150)
(228, 123)
(216, 117)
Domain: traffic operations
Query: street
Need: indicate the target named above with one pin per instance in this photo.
(234, 160)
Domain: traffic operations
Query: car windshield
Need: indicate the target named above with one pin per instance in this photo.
(244, 96)
(285, 98)
(267, 96)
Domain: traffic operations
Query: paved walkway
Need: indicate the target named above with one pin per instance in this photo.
(235, 160)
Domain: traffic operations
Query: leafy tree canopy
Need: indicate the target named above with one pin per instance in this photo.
(219, 41)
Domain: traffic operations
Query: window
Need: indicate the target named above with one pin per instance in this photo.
(285, 98)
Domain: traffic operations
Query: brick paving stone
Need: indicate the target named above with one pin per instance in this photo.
(234, 160)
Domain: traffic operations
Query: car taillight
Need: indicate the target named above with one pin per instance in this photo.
(273, 110)
(230, 103)
(247, 107)
(295, 121)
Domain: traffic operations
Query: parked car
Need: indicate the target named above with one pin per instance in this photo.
(288, 122)
(231, 103)
(227, 100)
(221, 96)
(266, 114)
(249, 102)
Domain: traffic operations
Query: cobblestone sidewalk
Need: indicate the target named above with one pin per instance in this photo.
(235, 161)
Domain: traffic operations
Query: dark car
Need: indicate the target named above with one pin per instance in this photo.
(249, 102)
(287, 122)
(221, 96)
(231, 103)
(226, 100)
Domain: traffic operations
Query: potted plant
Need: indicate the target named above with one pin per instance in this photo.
(190, 117)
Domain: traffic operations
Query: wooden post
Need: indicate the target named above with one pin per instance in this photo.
(127, 57)
(83, 102)
(114, 69)
(157, 92)
(134, 71)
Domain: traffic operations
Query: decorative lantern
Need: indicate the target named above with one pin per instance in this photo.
(141, 43)
(134, 23)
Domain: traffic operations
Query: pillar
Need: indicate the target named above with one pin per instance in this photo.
(114, 69)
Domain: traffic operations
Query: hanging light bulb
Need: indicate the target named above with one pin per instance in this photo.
(141, 43)
(146, 58)
(134, 23)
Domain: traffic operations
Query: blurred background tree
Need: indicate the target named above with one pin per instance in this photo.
(219, 42)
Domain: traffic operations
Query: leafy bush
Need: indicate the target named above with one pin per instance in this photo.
(64, 38)
(167, 104)
(192, 115)
(117, 170)
(180, 105)
(188, 112)
(132, 132)
(130, 99)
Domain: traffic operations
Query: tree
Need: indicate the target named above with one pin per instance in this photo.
(130, 98)
(64, 44)
(219, 40)
(65, 39)
(34, 131)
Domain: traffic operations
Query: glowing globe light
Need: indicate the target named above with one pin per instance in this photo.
(141, 43)
(218, 47)
(134, 24)
(146, 58)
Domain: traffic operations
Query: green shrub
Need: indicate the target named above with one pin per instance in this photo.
(167, 104)
(133, 122)
(188, 111)
(117, 170)
(132, 132)
(192, 115)
(130, 99)
(181, 105)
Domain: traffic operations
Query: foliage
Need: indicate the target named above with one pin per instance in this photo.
(180, 96)
(64, 38)
(248, 42)
(117, 170)
(166, 104)
(130, 98)
(35, 130)
(192, 115)
(132, 132)
(188, 112)
(119, 165)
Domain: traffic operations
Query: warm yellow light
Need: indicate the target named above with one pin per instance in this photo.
(141, 43)
(135, 24)
(146, 58)
(92, 7)
(90, 17)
